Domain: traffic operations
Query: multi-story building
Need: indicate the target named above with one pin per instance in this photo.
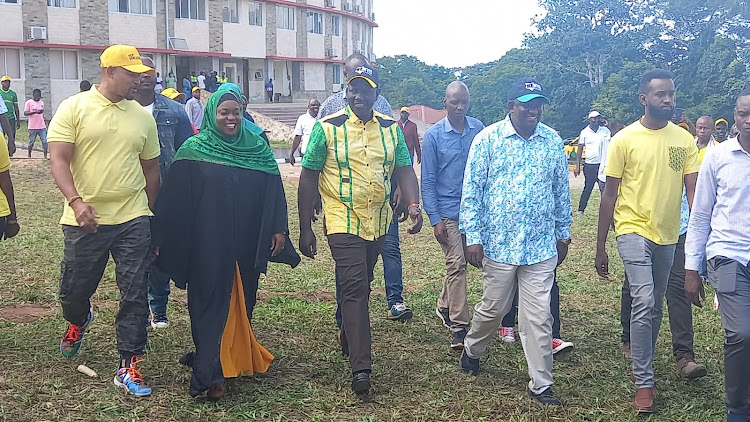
(54, 44)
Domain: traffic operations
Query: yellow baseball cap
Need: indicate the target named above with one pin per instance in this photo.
(172, 93)
(405, 108)
(195, 88)
(5, 78)
(124, 56)
(721, 120)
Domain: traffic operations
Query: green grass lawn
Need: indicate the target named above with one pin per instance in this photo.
(415, 374)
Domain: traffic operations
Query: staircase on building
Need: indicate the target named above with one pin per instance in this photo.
(286, 113)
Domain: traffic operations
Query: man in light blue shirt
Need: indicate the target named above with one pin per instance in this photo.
(516, 215)
(444, 151)
(719, 230)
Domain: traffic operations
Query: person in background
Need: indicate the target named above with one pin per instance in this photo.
(648, 163)
(194, 108)
(104, 151)
(590, 142)
(159, 85)
(9, 226)
(11, 103)
(373, 153)
(84, 86)
(193, 80)
(719, 230)
(721, 130)
(171, 80)
(178, 97)
(734, 131)
(269, 90)
(201, 79)
(211, 82)
(704, 139)
(222, 79)
(445, 150)
(411, 135)
(34, 111)
(187, 86)
(303, 128)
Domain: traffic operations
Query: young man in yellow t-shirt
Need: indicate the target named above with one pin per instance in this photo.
(104, 152)
(648, 163)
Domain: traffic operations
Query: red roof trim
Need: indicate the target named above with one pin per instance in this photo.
(325, 9)
(103, 47)
(304, 59)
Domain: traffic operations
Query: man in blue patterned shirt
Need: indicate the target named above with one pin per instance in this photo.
(516, 215)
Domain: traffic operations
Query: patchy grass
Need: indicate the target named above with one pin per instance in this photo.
(415, 377)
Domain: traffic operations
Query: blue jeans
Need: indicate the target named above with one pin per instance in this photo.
(392, 271)
(158, 290)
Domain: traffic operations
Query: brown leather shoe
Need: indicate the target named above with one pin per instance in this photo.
(690, 370)
(216, 392)
(644, 400)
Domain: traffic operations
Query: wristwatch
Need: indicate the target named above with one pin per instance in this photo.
(565, 242)
(417, 207)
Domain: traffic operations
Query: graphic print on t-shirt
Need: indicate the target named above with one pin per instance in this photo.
(677, 157)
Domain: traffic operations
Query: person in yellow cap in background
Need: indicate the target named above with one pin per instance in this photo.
(194, 108)
(721, 129)
(104, 151)
(173, 94)
(10, 98)
(411, 135)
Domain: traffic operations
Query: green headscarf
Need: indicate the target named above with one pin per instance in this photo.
(244, 150)
(234, 88)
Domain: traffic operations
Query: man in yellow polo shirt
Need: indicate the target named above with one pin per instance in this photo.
(648, 163)
(104, 152)
(351, 157)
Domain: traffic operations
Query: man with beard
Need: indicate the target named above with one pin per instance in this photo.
(516, 215)
(648, 163)
(174, 128)
(104, 152)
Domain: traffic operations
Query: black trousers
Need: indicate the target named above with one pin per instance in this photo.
(591, 174)
(12, 145)
(84, 260)
(355, 261)
(678, 307)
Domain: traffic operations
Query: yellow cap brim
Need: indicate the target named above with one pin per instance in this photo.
(721, 121)
(370, 81)
(195, 88)
(137, 68)
(4, 79)
(178, 97)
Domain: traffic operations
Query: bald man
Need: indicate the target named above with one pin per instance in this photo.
(444, 152)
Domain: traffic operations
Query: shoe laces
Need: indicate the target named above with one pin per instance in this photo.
(73, 334)
(399, 307)
(556, 342)
(132, 370)
(507, 332)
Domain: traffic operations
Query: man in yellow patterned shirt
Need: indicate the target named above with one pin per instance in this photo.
(350, 158)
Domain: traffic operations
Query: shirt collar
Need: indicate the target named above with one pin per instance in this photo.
(734, 144)
(104, 101)
(449, 127)
(507, 130)
(353, 118)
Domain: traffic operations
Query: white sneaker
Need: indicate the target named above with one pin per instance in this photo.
(507, 334)
(560, 346)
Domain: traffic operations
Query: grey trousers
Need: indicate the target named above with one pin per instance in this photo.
(647, 267)
(534, 284)
(731, 280)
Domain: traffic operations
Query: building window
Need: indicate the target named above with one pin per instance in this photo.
(285, 17)
(358, 28)
(191, 9)
(231, 11)
(314, 23)
(10, 62)
(9, 1)
(256, 13)
(136, 7)
(336, 74)
(63, 64)
(336, 25)
(62, 3)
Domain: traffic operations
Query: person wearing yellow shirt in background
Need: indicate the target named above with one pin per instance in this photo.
(648, 163)
(104, 152)
(704, 139)
(8, 220)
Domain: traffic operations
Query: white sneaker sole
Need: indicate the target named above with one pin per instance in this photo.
(122, 386)
(563, 348)
(158, 325)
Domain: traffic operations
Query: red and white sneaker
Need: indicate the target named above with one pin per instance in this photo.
(560, 346)
(507, 334)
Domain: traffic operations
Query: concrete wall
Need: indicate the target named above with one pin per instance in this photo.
(215, 26)
(316, 46)
(286, 43)
(243, 40)
(94, 18)
(88, 60)
(60, 91)
(12, 27)
(36, 65)
(256, 91)
(315, 78)
(195, 32)
(63, 26)
(129, 28)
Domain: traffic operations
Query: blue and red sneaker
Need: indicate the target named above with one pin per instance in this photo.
(72, 340)
(129, 378)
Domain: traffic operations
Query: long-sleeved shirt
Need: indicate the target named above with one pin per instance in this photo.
(411, 136)
(195, 110)
(720, 218)
(444, 154)
(516, 195)
(338, 102)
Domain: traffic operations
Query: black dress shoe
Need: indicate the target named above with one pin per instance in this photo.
(361, 382)
(546, 397)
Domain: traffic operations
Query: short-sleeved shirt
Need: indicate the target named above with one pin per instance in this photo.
(593, 142)
(3, 109)
(9, 98)
(4, 166)
(36, 121)
(652, 165)
(303, 128)
(356, 160)
(110, 140)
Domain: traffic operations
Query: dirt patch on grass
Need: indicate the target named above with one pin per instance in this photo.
(25, 313)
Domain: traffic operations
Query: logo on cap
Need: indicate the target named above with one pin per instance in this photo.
(363, 71)
(533, 86)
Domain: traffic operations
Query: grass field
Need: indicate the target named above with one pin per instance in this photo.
(415, 374)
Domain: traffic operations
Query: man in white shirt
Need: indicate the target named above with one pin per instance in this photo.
(590, 141)
(202, 81)
(303, 129)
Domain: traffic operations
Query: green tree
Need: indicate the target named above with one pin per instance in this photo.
(618, 98)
